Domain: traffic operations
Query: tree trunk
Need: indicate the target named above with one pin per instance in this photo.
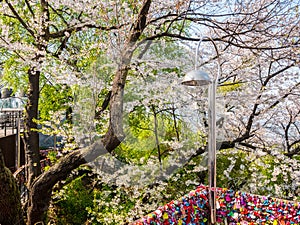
(10, 203)
(41, 188)
(31, 135)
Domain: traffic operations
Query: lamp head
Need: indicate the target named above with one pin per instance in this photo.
(196, 78)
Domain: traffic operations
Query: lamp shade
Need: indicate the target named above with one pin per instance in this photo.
(196, 78)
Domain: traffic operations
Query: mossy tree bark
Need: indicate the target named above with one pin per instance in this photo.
(10, 203)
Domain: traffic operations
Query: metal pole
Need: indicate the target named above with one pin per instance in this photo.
(19, 141)
(197, 52)
(212, 145)
(197, 80)
(212, 151)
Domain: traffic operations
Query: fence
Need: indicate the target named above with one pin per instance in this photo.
(10, 119)
(11, 125)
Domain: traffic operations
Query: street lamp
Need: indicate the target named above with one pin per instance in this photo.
(199, 78)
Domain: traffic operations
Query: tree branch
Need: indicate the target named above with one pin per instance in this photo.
(80, 27)
(42, 187)
(29, 7)
(18, 17)
(295, 151)
(46, 18)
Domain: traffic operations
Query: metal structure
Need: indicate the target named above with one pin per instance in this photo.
(199, 78)
(10, 119)
(11, 125)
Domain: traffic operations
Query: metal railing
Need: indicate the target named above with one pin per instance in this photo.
(11, 119)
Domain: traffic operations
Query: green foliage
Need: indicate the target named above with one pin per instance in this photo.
(54, 98)
(52, 155)
(14, 74)
(71, 203)
(263, 175)
(229, 87)
(140, 142)
(120, 205)
(19, 33)
(110, 205)
(80, 44)
(185, 179)
(233, 169)
(140, 138)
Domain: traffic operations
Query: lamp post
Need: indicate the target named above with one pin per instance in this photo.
(199, 78)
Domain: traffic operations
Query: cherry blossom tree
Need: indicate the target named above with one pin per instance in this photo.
(45, 41)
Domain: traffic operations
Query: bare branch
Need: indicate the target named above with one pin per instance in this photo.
(80, 27)
(29, 7)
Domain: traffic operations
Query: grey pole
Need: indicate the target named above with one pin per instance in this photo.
(212, 150)
(198, 78)
(212, 144)
(19, 141)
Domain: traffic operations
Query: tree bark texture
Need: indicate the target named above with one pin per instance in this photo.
(31, 135)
